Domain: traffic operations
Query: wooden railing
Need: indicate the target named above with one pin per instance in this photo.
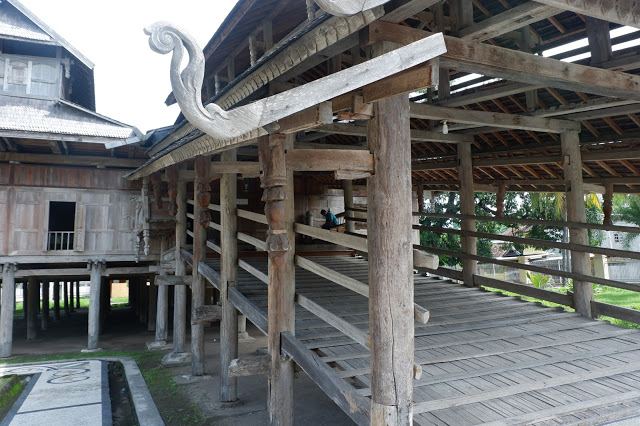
(60, 240)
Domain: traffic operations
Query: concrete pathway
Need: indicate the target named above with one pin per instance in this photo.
(65, 393)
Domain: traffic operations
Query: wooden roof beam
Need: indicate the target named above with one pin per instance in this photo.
(619, 11)
(494, 119)
(75, 160)
(512, 65)
(416, 135)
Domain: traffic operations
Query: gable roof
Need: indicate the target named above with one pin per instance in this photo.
(25, 25)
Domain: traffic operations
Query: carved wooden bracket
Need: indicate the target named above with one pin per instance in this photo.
(264, 114)
(156, 181)
(203, 190)
(172, 176)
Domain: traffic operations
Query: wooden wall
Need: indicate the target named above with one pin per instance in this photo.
(105, 208)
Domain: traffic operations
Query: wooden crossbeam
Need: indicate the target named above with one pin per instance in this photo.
(250, 366)
(416, 134)
(509, 64)
(173, 280)
(619, 11)
(510, 121)
(206, 314)
(76, 160)
(310, 160)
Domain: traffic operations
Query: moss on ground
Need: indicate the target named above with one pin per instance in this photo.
(10, 390)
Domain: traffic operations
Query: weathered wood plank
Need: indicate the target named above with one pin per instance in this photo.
(249, 309)
(253, 271)
(206, 314)
(210, 274)
(525, 290)
(346, 240)
(354, 405)
(173, 280)
(619, 312)
(310, 160)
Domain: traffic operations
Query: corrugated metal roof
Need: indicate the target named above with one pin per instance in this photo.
(57, 117)
(15, 24)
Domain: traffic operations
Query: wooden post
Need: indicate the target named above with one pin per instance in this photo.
(444, 89)
(576, 212)
(607, 204)
(94, 305)
(420, 194)
(347, 186)
(467, 207)
(105, 302)
(72, 304)
(6, 310)
(33, 298)
(599, 40)
(162, 304)
(153, 304)
(228, 278)
(25, 296)
(44, 315)
(78, 294)
(65, 297)
(389, 245)
(202, 216)
(56, 300)
(281, 310)
(143, 300)
(178, 355)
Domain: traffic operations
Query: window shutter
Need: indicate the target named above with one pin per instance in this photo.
(79, 227)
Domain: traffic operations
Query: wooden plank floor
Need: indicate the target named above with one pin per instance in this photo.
(486, 358)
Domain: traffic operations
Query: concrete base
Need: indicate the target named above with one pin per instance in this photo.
(159, 345)
(176, 358)
(188, 378)
(91, 351)
(244, 337)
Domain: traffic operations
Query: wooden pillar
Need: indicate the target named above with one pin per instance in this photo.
(105, 302)
(78, 294)
(25, 296)
(531, 96)
(33, 297)
(44, 315)
(6, 310)
(281, 310)
(65, 297)
(153, 304)
(143, 300)
(228, 278)
(202, 217)
(56, 300)
(444, 90)
(467, 207)
(162, 304)
(72, 304)
(576, 212)
(178, 355)
(390, 260)
(607, 204)
(95, 268)
(347, 186)
(420, 194)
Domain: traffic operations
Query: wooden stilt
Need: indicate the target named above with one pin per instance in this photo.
(65, 297)
(607, 204)
(281, 312)
(25, 296)
(162, 305)
(228, 279)
(77, 294)
(389, 246)
(44, 315)
(94, 305)
(347, 186)
(72, 301)
(202, 218)
(576, 212)
(56, 300)
(467, 207)
(153, 305)
(6, 310)
(105, 305)
(33, 297)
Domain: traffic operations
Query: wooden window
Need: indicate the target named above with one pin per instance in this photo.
(61, 235)
(30, 76)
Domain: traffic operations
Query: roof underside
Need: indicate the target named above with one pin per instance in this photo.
(605, 131)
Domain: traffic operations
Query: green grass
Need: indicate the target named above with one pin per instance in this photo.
(613, 296)
(173, 404)
(8, 398)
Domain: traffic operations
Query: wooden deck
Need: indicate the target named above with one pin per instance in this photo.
(486, 358)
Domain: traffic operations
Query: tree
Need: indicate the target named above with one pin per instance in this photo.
(627, 209)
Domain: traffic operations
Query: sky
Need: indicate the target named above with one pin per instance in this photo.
(132, 82)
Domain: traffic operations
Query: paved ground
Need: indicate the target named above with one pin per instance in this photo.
(64, 391)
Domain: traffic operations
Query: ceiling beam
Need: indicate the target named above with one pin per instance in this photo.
(621, 12)
(416, 135)
(74, 160)
(512, 65)
(496, 119)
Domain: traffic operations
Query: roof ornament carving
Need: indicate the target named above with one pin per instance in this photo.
(348, 7)
(262, 115)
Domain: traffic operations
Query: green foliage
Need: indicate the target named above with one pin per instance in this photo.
(627, 208)
(538, 280)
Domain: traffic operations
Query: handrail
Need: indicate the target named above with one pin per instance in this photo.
(346, 240)
(256, 242)
(534, 241)
(555, 223)
(529, 267)
(256, 217)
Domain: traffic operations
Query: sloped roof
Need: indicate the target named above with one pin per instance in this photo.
(40, 118)
(21, 23)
